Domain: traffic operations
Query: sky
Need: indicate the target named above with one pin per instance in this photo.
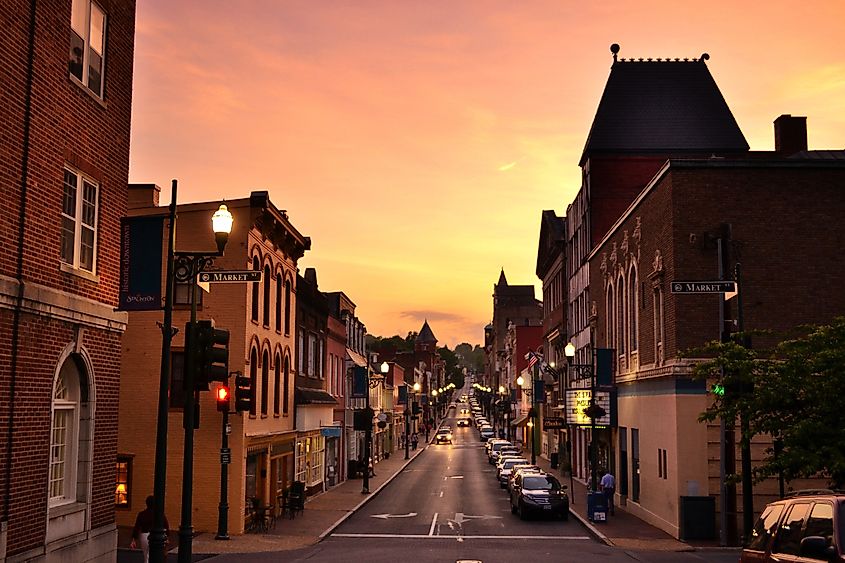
(417, 142)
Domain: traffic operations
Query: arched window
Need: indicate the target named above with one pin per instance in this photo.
(620, 316)
(253, 378)
(286, 388)
(609, 311)
(277, 387)
(287, 306)
(64, 434)
(257, 267)
(658, 326)
(265, 382)
(267, 282)
(279, 284)
(633, 308)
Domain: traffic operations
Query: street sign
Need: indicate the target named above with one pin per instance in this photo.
(553, 423)
(225, 456)
(230, 276)
(721, 286)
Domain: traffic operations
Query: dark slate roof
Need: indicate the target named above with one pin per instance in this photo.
(819, 155)
(502, 279)
(662, 106)
(426, 335)
(308, 396)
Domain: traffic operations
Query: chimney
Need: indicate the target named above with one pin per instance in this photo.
(790, 134)
(142, 195)
(311, 276)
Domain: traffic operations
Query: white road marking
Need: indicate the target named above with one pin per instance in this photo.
(433, 523)
(457, 477)
(455, 537)
(386, 516)
(441, 494)
(460, 517)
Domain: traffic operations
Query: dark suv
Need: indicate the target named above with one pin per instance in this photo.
(539, 493)
(806, 527)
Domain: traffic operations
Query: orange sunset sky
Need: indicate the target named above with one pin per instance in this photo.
(417, 142)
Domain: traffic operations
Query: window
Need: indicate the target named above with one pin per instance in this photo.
(632, 309)
(265, 382)
(820, 522)
(254, 312)
(123, 482)
(318, 451)
(320, 362)
(277, 377)
(279, 302)
(253, 378)
(301, 355)
(302, 447)
(177, 380)
(662, 470)
(765, 527)
(87, 44)
(286, 390)
(312, 355)
(267, 281)
(658, 326)
(64, 435)
(182, 294)
(287, 306)
(789, 536)
(620, 316)
(609, 307)
(79, 221)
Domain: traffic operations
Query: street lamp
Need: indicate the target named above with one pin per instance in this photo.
(586, 370)
(368, 432)
(182, 267)
(532, 413)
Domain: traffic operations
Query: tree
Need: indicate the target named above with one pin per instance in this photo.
(794, 394)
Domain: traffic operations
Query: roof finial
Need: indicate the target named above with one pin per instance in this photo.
(615, 50)
(704, 57)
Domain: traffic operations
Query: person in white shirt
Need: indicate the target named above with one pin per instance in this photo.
(608, 488)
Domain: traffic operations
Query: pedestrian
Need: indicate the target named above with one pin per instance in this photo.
(402, 440)
(143, 526)
(608, 488)
(414, 441)
(427, 431)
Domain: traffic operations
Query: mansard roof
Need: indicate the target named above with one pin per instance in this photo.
(659, 106)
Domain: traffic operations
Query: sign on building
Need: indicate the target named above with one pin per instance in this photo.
(577, 400)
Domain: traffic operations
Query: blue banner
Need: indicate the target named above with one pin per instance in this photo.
(140, 263)
(539, 391)
(359, 382)
(604, 366)
(403, 395)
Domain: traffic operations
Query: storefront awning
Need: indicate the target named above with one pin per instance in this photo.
(306, 396)
(521, 421)
(356, 358)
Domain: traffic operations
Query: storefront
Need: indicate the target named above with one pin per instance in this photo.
(332, 436)
(310, 461)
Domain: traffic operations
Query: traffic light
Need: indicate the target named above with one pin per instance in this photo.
(212, 354)
(243, 393)
(223, 398)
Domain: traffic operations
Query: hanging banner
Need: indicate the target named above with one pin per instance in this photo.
(403, 395)
(539, 391)
(359, 382)
(140, 263)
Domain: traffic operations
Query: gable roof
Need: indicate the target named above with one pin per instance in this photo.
(552, 241)
(662, 106)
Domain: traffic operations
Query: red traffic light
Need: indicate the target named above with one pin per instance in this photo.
(223, 398)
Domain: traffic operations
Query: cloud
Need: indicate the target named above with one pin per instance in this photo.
(506, 167)
(433, 316)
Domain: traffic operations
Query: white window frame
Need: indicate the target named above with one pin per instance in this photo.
(81, 182)
(85, 8)
(62, 472)
(318, 450)
(302, 447)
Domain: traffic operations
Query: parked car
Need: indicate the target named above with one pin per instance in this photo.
(539, 493)
(505, 450)
(486, 433)
(490, 443)
(518, 469)
(807, 526)
(504, 469)
(496, 447)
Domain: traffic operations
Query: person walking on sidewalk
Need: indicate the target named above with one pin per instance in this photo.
(143, 526)
(608, 488)
(414, 441)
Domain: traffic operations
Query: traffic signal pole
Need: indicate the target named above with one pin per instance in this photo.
(223, 509)
(186, 530)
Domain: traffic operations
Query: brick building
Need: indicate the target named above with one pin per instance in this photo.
(790, 272)
(336, 386)
(649, 111)
(314, 405)
(66, 70)
(261, 318)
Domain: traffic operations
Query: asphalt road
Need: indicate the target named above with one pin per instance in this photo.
(448, 506)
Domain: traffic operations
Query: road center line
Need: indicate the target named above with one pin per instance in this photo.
(433, 523)
(456, 537)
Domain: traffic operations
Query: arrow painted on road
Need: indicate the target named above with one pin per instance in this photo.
(386, 516)
(460, 518)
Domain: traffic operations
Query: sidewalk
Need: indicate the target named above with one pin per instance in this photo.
(623, 530)
(322, 514)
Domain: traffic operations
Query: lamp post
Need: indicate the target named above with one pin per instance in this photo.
(368, 433)
(581, 370)
(176, 270)
(532, 412)
(435, 394)
(188, 266)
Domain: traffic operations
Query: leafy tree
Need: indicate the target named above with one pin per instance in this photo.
(794, 394)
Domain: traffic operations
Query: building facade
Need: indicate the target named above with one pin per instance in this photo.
(261, 319)
(64, 162)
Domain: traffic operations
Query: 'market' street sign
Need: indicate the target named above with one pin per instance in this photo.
(230, 276)
(703, 286)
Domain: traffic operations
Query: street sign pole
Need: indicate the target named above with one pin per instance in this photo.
(225, 459)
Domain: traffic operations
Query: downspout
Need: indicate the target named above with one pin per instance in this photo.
(27, 121)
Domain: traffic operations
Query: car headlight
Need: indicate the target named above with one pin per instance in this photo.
(448, 436)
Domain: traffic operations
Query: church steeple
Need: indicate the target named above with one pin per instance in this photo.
(502, 279)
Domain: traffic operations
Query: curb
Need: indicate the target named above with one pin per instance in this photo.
(368, 498)
(592, 529)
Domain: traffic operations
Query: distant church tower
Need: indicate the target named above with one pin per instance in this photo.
(426, 341)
